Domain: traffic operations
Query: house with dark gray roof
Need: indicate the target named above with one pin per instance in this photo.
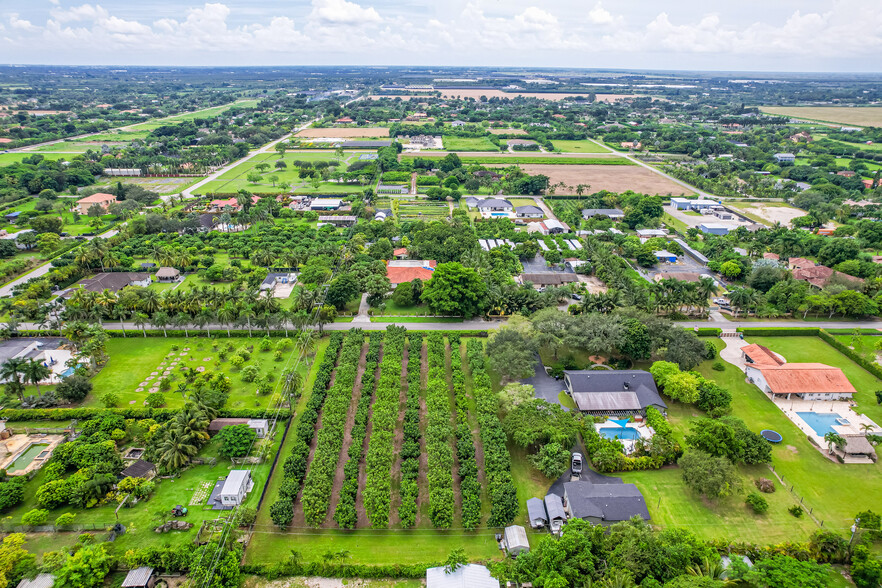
(604, 504)
(529, 211)
(613, 392)
(613, 213)
(495, 205)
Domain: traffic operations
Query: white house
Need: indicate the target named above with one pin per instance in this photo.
(785, 157)
(237, 485)
(806, 381)
(529, 211)
(489, 205)
(645, 234)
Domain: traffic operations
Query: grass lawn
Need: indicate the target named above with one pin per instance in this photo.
(414, 319)
(584, 146)
(675, 223)
(10, 158)
(133, 359)
(469, 144)
(416, 309)
(68, 147)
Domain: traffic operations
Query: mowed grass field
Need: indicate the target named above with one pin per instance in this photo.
(469, 144)
(10, 158)
(849, 115)
(584, 146)
(834, 491)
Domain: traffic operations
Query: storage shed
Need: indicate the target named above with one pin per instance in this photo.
(557, 516)
(536, 513)
(139, 578)
(515, 540)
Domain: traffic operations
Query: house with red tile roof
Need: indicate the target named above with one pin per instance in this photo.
(805, 381)
(100, 198)
(406, 270)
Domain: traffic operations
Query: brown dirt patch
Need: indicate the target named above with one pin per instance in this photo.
(339, 474)
(554, 96)
(397, 442)
(615, 178)
(792, 449)
(344, 132)
(508, 132)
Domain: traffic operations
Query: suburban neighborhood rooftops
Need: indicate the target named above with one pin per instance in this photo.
(608, 502)
(137, 578)
(467, 576)
(610, 212)
(805, 378)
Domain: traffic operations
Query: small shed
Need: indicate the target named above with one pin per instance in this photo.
(139, 469)
(515, 540)
(12, 216)
(260, 426)
(557, 516)
(536, 513)
(139, 578)
(237, 485)
(41, 581)
(665, 256)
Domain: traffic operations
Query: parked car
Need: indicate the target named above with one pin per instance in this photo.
(577, 464)
(576, 297)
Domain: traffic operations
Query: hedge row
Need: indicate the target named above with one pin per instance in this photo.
(439, 433)
(159, 414)
(320, 480)
(326, 569)
(294, 468)
(845, 350)
(497, 461)
(410, 448)
(465, 445)
(381, 448)
(708, 332)
(779, 332)
(345, 513)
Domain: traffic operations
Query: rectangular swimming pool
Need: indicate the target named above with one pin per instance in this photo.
(619, 432)
(822, 423)
(27, 456)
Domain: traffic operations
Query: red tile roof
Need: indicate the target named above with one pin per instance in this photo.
(98, 197)
(761, 356)
(399, 275)
(805, 378)
(400, 251)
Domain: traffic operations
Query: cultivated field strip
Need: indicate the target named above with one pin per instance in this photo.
(497, 461)
(380, 454)
(320, 478)
(345, 514)
(410, 448)
(294, 468)
(439, 435)
(470, 489)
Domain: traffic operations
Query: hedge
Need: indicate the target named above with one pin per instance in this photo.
(218, 333)
(331, 570)
(871, 367)
(708, 332)
(780, 332)
(161, 414)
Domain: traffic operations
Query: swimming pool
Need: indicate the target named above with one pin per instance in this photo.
(822, 423)
(619, 432)
(498, 214)
(25, 458)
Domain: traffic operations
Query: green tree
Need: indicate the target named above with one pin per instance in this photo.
(403, 294)
(236, 440)
(86, 568)
(342, 289)
(781, 571)
(552, 459)
(73, 388)
(12, 557)
(683, 387)
(35, 517)
(714, 477)
(48, 242)
(511, 354)
(455, 290)
(515, 394)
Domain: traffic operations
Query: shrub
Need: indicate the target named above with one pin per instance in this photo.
(249, 373)
(109, 399)
(35, 517)
(65, 519)
(245, 516)
(156, 400)
(757, 502)
(237, 361)
(718, 366)
(282, 512)
(796, 511)
(74, 388)
(165, 384)
(764, 485)
(277, 356)
(244, 353)
(265, 344)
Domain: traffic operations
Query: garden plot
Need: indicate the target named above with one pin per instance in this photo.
(422, 210)
(614, 178)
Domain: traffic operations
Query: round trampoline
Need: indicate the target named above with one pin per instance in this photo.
(771, 436)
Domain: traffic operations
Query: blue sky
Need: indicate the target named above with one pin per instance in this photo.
(776, 35)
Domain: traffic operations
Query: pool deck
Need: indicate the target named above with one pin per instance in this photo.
(12, 448)
(643, 430)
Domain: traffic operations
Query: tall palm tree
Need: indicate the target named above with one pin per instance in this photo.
(175, 451)
(183, 320)
(35, 372)
(161, 319)
(11, 371)
(227, 315)
(833, 439)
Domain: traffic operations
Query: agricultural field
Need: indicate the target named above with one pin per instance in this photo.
(468, 144)
(507, 132)
(583, 146)
(162, 186)
(10, 158)
(71, 147)
(848, 115)
(344, 132)
(507, 158)
(607, 177)
(422, 209)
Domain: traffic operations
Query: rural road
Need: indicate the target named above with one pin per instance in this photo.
(124, 128)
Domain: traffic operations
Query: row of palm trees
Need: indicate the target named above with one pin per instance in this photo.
(16, 372)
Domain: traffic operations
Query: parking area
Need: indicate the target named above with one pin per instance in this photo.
(693, 219)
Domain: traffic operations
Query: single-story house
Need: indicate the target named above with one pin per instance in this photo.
(325, 204)
(400, 253)
(536, 513)
(273, 278)
(548, 279)
(771, 256)
(799, 263)
(529, 211)
(713, 229)
(785, 157)
(406, 270)
(472, 201)
(100, 198)
(338, 220)
(613, 392)
(613, 213)
(694, 204)
(548, 227)
(514, 539)
(820, 275)
(665, 256)
(760, 355)
(113, 281)
(495, 205)
(168, 274)
(139, 578)
(41, 581)
(467, 576)
(139, 469)
(806, 381)
(383, 214)
(645, 234)
(554, 508)
(237, 485)
(604, 504)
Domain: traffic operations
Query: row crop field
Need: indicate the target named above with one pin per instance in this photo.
(399, 440)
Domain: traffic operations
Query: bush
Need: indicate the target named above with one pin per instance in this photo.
(245, 516)
(156, 400)
(277, 355)
(74, 388)
(35, 517)
(718, 366)
(764, 485)
(237, 361)
(109, 399)
(265, 344)
(757, 502)
(796, 511)
(282, 512)
(65, 519)
(249, 373)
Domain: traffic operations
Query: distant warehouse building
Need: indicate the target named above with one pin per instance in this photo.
(713, 229)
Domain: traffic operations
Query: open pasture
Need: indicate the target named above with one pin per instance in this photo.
(869, 116)
(554, 96)
(607, 177)
(344, 132)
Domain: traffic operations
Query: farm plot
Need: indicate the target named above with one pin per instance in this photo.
(469, 144)
(607, 177)
(422, 209)
(584, 146)
(851, 115)
(162, 186)
(344, 132)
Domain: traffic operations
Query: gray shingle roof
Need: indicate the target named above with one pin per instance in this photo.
(613, 389)
(494, 203)
(528, 209)
(610, 502)
(536, 511)
(589, 212)
(554, 507)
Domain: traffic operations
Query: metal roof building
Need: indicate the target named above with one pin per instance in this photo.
(536, 513)
(467, 576)
(515, 538)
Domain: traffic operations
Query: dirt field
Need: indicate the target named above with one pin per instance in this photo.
(555, 96)
(858, 115)
(615, 178)
(354, 132)
(773, 213)
(159, 185)
(508, 132)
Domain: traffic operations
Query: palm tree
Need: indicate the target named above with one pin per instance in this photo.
(227, 314)
(175, 451)
(247, 313)
(161, 320)
(183, 320)
(832, 439)
(141, 320)
(867, 427)
(120, 313)
(11, 372)
(709, 568)
(35, 372)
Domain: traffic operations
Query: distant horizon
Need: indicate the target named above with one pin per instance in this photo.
(809, 36)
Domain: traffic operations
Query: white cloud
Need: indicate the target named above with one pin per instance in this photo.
(600, 15)
(342, 12)
(20, 23)
(80, 13)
